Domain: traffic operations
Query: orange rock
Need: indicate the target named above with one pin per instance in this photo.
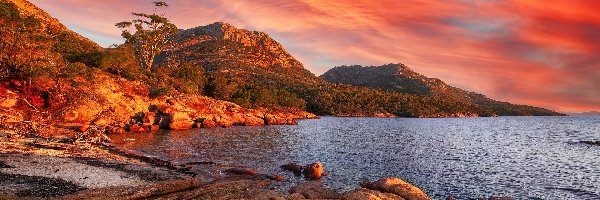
(240, 171)
(154, 127)
(313, 171)
(134, 128)
(172, 102)
(84, 128)
(398, 187)
(208, 124)
(115, 130)
(100, 122)
(149, 118)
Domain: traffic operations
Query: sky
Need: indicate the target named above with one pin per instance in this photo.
(541, 53)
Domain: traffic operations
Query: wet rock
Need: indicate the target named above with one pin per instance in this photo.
(294, 167)
(314, 190)
(363, 193)
(134, 128)
(152, 127)
(209, 124)
(149, 118)
(313, 171)
(240, 171)
(115, 130)
(176, 121)
(398, 187)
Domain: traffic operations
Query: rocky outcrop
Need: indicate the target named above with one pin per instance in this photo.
(398, 187)
(314, 190)
(312, 171)
(272, 53)
(363, 193)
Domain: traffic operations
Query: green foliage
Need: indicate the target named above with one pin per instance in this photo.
(150, 34)
(74, 69)
(258, 96)
(75, 49)
(162, 91)
(25, 47)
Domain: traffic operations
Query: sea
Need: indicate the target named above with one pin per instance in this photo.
(468, 158)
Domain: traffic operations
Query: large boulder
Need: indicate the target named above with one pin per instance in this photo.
(176, 121)
(314, 190)
(313, 171)
(363, 193)
(398, 187)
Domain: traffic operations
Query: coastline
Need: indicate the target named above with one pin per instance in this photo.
(51, 169)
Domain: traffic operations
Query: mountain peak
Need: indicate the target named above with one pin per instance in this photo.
(250, 47)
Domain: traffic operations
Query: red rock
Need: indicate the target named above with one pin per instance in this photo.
(172, 102)
(398, 187)
(209, 124)
(294, 167)
(275, 178)
(100, 122)
(134, 128)
(84, 128)
(115, 130)
(153, 127)
(313, 171)
(240, 171)
(149, 118)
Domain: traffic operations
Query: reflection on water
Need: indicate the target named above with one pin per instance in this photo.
(523, 157)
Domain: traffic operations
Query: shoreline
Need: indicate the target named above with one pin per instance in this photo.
(38, 168)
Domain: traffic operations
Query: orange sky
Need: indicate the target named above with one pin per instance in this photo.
(542, 53)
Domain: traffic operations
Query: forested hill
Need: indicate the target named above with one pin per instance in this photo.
(251, 68)
(400, 78)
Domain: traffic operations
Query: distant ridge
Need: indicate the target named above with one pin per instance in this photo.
(590, 113)
(400, 78)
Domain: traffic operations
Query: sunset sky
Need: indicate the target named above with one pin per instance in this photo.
(542, 53)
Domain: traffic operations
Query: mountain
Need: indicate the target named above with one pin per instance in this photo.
(590, 113)
(25, 24)
(400, 78)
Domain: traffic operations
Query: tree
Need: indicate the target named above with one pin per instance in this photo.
(24, 48)
(151, 33)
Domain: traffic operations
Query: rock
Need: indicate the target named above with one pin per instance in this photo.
(172, 102)
(134, 128)
(240, 171)
(149, 118)
(314, 190)
(295, 196)
(363, 193)
(101, 122)
(8, 102)
(313, 171)
(165, 109)
(294, 167)
(115, 130)
(152, 127)
(275, 178)
(84, 128)
(209, 124)
(397, 187)
(176, 121)
(225, 121)
(70, 116)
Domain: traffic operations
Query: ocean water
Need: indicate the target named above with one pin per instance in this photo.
(520, 157)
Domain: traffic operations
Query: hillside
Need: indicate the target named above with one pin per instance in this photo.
(251, 61)
(53, 82)
(400, 78)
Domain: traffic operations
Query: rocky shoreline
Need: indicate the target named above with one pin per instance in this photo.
(34, 168)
